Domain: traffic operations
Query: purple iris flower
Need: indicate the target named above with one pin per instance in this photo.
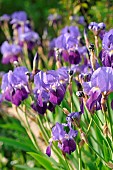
(71, 42)
(15, 85)
(19, 16)
(106, 58)
(68, 39)
(54, 18)
(67, 146)
(78, 19)
(26, 34)
(73, 116)
(68, 45)
(96, 27)
(48, 150)
(73, 56)
(101, 83)
(105, 76)
(52, 43)
(10, 52)
(5, 17)
(65, 140)
(73, 31)
(107, 42)
(101, 34)
(60, 42)
(49, 89)
(51, 48)
(106, 54)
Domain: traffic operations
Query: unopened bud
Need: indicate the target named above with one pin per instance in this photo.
(28, 75)
(70, 72)
(91, 47)
(57, 55)
(16, 64)
(35, 63)
(86, 38)
(80, 93)
(92, 56)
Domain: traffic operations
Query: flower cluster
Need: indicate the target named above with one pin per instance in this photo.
(23, 35)
(87, 75)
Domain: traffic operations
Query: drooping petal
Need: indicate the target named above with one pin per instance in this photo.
(68, 146)
(48, 151)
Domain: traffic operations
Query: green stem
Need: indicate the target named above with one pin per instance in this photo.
(59, 155)
(80, 161)
(89, 125)
(44, 134)
(96, 45)
(99, 119)
(67, 163)
(106, 139)
(110, 120)
(28, 129)
(26, 57)
(47, 124)
(96, 152)
(32, 135)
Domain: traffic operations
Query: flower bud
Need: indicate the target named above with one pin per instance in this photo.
(80, 93)
(35, 63)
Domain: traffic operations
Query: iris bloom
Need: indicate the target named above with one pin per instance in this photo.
(19, 16)
(65, 140)
(49, 89)
(15, 86)
(5, 17)
(107, 49)
(26, 34)
(101, 84)
(96, 27)
(10, 52)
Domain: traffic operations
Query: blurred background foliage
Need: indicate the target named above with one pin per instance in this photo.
(38, 11)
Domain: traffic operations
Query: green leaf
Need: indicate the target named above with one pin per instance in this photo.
(43, 160)
(106, 151)
(12, 126)
(17, 144)
(27, 168)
